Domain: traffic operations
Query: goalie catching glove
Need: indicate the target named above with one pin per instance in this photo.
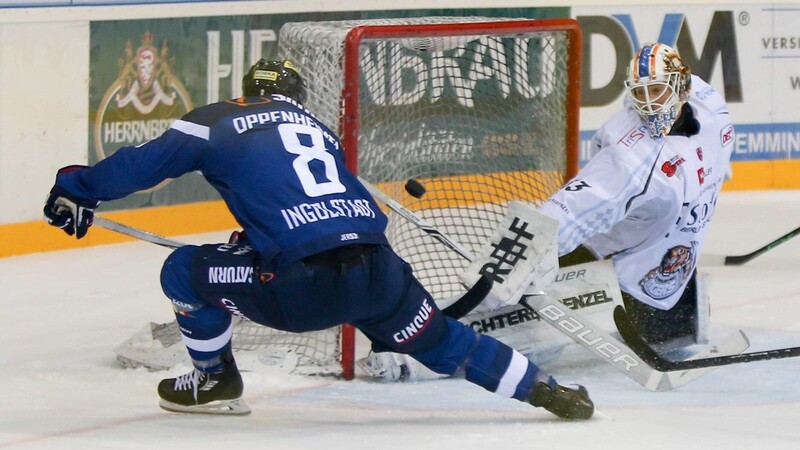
(69, 212)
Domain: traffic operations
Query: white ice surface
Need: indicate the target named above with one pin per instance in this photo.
(61, 388)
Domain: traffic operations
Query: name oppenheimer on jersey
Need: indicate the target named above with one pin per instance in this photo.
(312, 212)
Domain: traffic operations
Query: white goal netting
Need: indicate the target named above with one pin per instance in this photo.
(479, 110)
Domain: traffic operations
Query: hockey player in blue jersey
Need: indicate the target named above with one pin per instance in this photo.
(315, 253)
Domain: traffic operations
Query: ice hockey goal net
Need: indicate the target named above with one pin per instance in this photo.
(479, 110)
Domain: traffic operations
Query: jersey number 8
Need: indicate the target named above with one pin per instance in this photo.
(290, 135)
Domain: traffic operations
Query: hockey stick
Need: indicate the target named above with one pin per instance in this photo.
(616, 353)
(136, 233)
(478, 292)
(378, 194)
(738, 260)
(573, 324)
(472, 298)
(416, 220)
(466, 303)
(660, 363)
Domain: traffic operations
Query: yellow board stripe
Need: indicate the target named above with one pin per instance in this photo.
(193, 218)
(764, 175)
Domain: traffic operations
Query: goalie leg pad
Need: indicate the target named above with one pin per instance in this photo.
(703, 307)
(591, 288)
(389, 366)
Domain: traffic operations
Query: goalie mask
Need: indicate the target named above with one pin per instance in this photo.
(658, 83)
(274, 77)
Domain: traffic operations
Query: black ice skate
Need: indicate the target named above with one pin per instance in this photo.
(204, 393)
(562, 401)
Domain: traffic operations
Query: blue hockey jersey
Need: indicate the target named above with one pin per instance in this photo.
(279, 170)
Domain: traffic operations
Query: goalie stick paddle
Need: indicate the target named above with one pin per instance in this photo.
(658, 362)
(609, 349)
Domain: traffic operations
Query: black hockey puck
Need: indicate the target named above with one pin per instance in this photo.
(415, 188)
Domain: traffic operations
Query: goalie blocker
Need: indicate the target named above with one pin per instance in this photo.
(520, 256)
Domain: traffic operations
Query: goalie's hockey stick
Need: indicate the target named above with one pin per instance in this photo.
(738, 260)
(136, 233)
(616, 353)
(663, 364)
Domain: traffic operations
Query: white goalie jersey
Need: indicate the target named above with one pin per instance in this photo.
(646, 203)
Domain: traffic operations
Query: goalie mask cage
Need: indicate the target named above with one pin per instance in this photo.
(479, 110)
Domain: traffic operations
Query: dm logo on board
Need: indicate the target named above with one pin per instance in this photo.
(142, 102)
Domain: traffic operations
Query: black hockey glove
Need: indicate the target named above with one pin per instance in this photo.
(72, 214)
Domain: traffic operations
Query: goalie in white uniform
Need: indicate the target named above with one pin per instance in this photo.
(646, 198)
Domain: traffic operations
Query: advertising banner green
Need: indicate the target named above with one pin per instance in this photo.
(147, 73)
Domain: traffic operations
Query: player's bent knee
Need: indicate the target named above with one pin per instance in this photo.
(452, 351)
(176, 279)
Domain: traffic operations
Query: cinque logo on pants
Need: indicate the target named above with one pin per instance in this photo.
(418, 324)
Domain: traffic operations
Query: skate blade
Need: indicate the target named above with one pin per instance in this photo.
(235, 407)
